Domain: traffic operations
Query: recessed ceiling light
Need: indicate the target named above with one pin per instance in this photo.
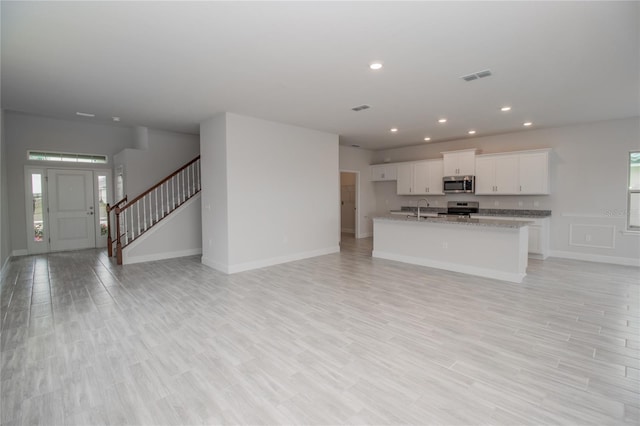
(116, 118)
(442, 120)
(427, 139)
(85, 114)
(472, 132)
(505, 108)
(393, 129)
(375, 65)
(527, 123)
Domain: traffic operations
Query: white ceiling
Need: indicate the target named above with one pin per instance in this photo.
(171, 65)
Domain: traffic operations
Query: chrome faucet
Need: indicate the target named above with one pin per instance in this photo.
(418, 205)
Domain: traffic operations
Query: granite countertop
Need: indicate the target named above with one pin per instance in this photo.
(535, 214)
(494, 223)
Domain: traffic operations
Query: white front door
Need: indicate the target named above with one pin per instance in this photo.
(71, 209)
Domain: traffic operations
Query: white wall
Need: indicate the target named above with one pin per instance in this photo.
(24, 132)
(589, 166)
(282, 192)
(5, 236)
(156, 155)
(358, 160)
(215, 216)
(167, 152)
(177, 235)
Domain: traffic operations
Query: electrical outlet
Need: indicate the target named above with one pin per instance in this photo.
(536, 204)
(587, 237)
(520, 203)
(496, 203)
(445, 245)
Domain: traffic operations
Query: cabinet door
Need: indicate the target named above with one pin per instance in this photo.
(390, 172)
(534, 239)
(405, 179)
(450, 164)
(485, 175)
(435, 177)
(506, 174)
(377, 173)
(421, 178)
(466, 163)
(534, 173)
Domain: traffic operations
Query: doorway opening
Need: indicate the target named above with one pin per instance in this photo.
(66, 208)
(349, 203)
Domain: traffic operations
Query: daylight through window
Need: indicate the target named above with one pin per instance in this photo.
(66, 157)
(633, 205)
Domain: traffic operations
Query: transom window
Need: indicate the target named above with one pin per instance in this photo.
(633, 204)
(68, 157)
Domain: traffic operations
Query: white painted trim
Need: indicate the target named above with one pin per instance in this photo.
(221, 267)
(591, 215)
(627, 232)
(247, 266)
(455, 267)
(162, 256)
(626, 261)
(613, 236)
(19, 252)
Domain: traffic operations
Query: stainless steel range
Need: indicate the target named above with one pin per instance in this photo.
(461, 208)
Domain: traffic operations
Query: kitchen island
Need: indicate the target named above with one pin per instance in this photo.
(483, 247)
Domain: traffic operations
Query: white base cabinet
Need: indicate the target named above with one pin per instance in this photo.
(538, 234)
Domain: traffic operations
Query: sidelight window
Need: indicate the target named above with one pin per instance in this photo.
(633, 203)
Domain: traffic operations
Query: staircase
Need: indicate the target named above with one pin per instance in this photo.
(134, 218)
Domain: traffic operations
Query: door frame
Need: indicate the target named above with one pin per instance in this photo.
(357, 212)
(44, 246)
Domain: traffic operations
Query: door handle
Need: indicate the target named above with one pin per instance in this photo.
(90, 213)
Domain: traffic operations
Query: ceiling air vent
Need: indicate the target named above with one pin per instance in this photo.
(360, 108)
(476, 75)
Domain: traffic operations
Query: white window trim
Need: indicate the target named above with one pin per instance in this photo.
(71, 157)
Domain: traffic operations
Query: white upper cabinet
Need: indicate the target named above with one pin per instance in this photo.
(405, 179)
(383, 172)
(497, 174)
(534, 172)
(427, 177)
(459, 163)
(516, 173)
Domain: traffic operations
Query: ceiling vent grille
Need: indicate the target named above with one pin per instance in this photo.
(360, 108)
(476, 75)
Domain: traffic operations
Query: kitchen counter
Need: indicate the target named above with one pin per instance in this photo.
(497, 223)
(491, 248)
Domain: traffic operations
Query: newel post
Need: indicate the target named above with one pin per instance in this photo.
(109, 239)
(118, 242)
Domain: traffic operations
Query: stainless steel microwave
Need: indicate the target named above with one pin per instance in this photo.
(458, 184)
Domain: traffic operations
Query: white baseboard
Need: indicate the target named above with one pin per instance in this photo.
(215, 265)
(128, 260)
(626, 261)
(263, 263)
(20, 252)
(465, 269)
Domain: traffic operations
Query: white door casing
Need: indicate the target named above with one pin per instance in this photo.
(71, 209)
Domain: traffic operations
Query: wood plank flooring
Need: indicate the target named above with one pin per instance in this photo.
(337, 339)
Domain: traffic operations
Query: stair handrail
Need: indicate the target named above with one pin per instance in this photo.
(139, 197)
(109, 238)
(119, 208)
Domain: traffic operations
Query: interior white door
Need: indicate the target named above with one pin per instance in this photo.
(71, 209)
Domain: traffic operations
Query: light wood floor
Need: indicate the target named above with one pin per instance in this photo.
(336, 339)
